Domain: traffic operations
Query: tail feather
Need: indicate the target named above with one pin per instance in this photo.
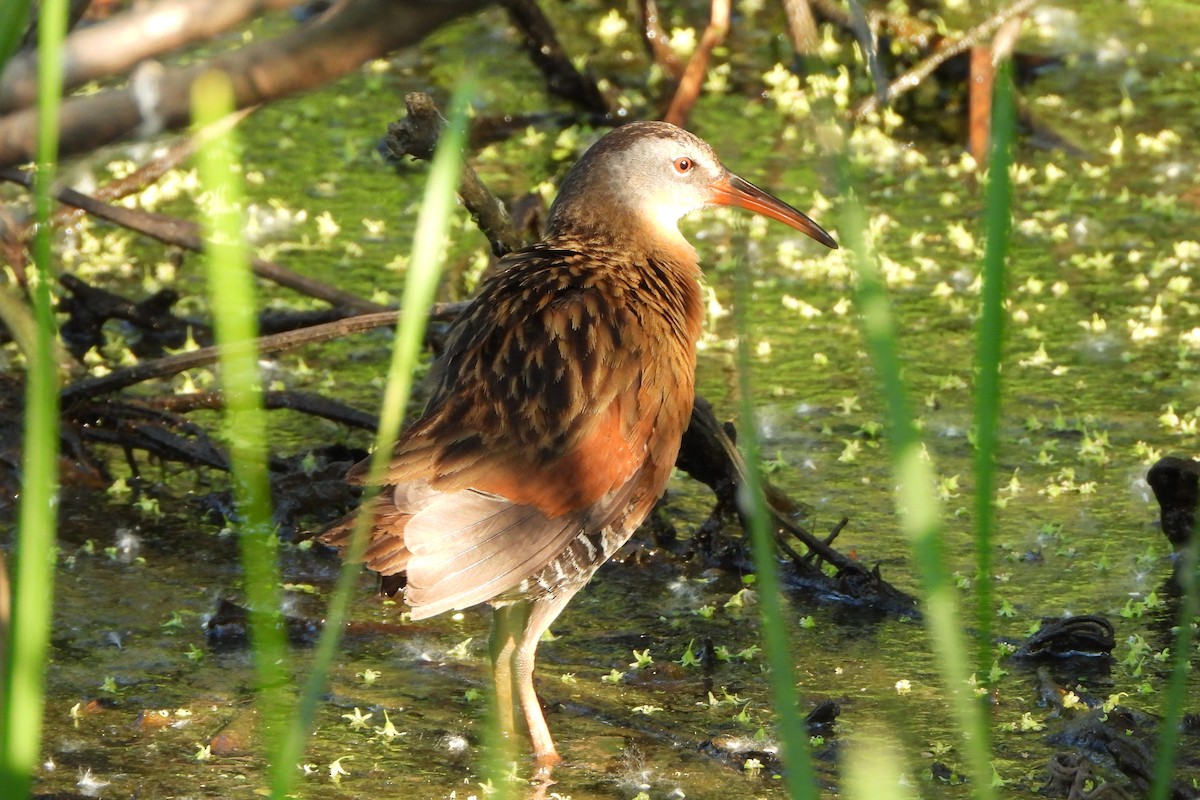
(386, 552)
(471, 547)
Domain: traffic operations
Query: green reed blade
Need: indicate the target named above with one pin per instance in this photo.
(235, 324)
(22, 691)
(1175, 700)
(420, 288)
(917, 504)
(793, 735)
(989, 354)
(873, 770)
(14, 17)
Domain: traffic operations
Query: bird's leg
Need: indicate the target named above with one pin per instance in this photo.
(542, 614)
(507, 623)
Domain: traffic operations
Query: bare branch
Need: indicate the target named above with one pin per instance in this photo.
(335, 44)
(916, 32)
(802, 26)
(116, 46)
(416, 135)
(911, 79)
(655, 39)
(186, 234)
(697, 68)
(543, 47)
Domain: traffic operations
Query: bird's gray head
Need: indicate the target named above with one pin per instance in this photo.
(651, 173)
(641, 178)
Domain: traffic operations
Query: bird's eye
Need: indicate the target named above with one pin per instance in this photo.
(684, 165)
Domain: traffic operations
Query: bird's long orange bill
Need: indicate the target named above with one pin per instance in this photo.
(733, 191)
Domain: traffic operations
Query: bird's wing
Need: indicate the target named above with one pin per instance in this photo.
(553, 425)
(537, 398)
(536, 432)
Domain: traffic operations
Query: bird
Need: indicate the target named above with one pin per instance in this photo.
(558, 404)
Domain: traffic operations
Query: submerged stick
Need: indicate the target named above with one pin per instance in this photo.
(912, 79)
(185, 234)
(173, 365)
(416, 135)
(697, 68)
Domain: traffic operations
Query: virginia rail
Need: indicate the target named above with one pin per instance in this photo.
(559, 403)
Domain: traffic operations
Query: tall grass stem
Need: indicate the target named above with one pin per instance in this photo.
(793, 734)
(22, 690)
(420, 288)
(989, 354)
(235, 324)
(1175, 699)
(917, 504)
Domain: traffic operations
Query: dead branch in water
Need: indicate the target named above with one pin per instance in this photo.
(947, 50)
(338, 42)
(697, 68)
(186, 234)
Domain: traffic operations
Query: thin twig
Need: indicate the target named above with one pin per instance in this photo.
(655, 39)
(304, 402)
(912, 79)
(185, 234)
(870, 46)
(802, 26)
(417, 135)
(149, 173)
(173, 365)
(829, 538)
(563, 79)
(697, 68)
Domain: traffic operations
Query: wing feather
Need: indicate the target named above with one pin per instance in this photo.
(482, 560)
(531, 400)
(553, 414)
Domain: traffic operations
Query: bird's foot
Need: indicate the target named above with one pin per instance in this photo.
(544, 764)
(540, 785)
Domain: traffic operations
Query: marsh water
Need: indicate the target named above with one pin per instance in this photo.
(1099, 380)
